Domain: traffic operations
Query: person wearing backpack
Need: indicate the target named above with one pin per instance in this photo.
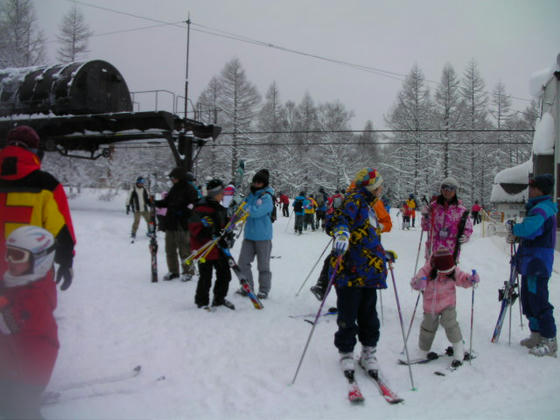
(335, 202)
(258, 234)
(298, 211)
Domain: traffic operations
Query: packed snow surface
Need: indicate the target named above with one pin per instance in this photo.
(240, 364)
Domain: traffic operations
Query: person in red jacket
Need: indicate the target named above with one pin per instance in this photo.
(28, 330)
(285, 201)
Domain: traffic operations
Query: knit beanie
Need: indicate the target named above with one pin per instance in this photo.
(545, 183)
(452, 182)
(369, 178)
(214, 187)
(442, 260)
(178, 173)
(23, 136)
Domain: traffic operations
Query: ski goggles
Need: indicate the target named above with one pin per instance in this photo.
(448, 187)
(17, 255)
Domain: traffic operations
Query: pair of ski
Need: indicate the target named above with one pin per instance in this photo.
(507, 295)
(355, 395)
(71, 391)
(257, 304)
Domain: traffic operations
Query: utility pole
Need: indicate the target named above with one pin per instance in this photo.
(188, 22)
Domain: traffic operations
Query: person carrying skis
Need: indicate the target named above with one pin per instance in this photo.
(334, 202)
(297, 204)
(361, 269)
(258, 234)
(139, 202)
(35, 197)
(208, 219)
(534, 259)
(382, 225)
(28, 330)
(442, 220)
(179, 203)
(411, 203)
(437, 280)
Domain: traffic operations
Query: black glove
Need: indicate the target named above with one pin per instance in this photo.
(127, 209)
(227, 240)
(66, 274)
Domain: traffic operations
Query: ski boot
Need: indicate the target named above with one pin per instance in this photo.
(532, 341)
(347, 361)
(318, 292)
(546, 347)
(368, 359)
(170, 276)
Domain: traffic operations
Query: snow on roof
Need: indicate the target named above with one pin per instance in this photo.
(516, 175)
(539, 79)
(543, 139)
(499, 195)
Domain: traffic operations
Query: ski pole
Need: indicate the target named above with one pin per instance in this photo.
(331, 281)
(420, 292)
(314, 265)
(402, 323)
(288, 223)
(472, 319)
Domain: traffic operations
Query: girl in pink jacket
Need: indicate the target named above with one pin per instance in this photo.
(441, 220)
(438, 278)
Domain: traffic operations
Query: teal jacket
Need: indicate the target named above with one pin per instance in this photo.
(259, 205)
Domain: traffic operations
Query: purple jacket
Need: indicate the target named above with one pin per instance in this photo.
(442, 225)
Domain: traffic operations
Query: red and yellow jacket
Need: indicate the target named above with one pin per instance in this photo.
(30, 196)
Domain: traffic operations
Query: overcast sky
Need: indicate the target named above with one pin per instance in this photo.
(510, 39)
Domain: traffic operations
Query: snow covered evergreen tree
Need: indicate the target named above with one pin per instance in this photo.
(73, 36)
(473, 91)
(22, 43)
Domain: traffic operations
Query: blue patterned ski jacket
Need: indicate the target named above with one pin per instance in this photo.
(364, 263)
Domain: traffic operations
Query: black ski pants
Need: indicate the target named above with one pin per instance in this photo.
(221, 286)
(357, 315)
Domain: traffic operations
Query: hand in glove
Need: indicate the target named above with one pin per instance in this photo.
(227, 240)
(462, 239)
(510, 237)
(391, 255)
(474, 278)
(127, 209)
(66, 274)
(341, 241)
(419, 283)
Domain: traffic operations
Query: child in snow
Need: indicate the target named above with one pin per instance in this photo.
(28, 330)
(208, 219)
(438, 278)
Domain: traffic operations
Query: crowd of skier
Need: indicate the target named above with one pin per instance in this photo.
(201, 226)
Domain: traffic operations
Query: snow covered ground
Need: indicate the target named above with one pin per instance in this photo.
(239, 364)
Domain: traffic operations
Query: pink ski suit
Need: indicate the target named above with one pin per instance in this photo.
(442, 225)
(439, 293)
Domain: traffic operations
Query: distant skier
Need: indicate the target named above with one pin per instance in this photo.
(322, 200)
(475, 212)
(309, 206)
(534, 260)
(411, 203)
(208, 219)
(363, 270)
(28, 330)
(285, 202)
(139, 202)
(297, 204)
(437, 279)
